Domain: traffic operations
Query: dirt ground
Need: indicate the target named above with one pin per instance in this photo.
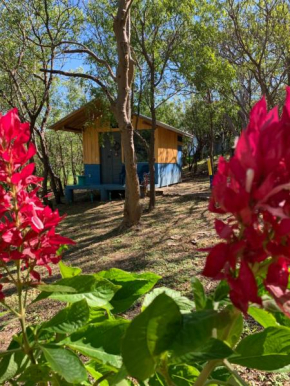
(166, 243)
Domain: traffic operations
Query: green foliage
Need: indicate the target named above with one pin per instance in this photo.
(13, 363)
(67, 271)
(267, 350)
(97, 291)
(69, 319)
(232, 331)
(149, 335)
(199, 294)
(132, 286)
(100, 341)
(65, 363)
(172, 340)
(185, 305)
(263, 317)
(196, 331)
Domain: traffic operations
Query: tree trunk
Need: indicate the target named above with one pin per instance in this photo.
(132, 207)
(152, 143)
(54, 180)
(197, 156)
(122, 111)
(44, 186)
(62, 162)
(211, 134)
(73, 169)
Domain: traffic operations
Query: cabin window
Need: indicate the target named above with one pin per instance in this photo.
(179, 138)
(140, 148)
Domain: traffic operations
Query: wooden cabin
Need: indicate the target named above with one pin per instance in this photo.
(104, 168)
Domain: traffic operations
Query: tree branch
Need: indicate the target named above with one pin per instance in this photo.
(85, 76)
(95, 57)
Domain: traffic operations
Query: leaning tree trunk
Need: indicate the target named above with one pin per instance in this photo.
(54, 180)
(122, 111)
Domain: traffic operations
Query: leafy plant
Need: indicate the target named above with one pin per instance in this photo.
(174, 340)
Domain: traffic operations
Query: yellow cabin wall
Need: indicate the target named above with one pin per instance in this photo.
(91, 146)
(165, 146)
(142, 123)
(165, 142)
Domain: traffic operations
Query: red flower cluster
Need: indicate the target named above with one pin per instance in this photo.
(253, 186)
(27, 228)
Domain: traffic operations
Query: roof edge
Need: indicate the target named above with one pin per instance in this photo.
(165, 126)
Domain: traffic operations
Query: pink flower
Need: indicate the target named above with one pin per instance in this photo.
(27, 229)
(253, 188)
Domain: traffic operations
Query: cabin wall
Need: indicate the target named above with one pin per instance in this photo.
(91, 153)
(168, 166)
(168, 154)
(166, 145)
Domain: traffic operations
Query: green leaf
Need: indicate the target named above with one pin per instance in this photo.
(119, 379)
(111, 375)
(221, 373)
(263, 317)
(183, 375)
(185, 305)
(98, 369)
(180, 375)
(98, 314)
(156, 380)
(282, 319)
(221, 291)
(100, 341)
(197, 328)
(69, 319)
(65, 363)
(56, 288)
(232, 331)
(149, 335)
(199, 294)
(211, 350)
(133, 286)
(97, 291)
(67, 271)
(35, 374)
(13, 364)
(267, 350)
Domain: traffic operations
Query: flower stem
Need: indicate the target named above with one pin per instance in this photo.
(26, 345)
(10, 309)
(206, 371)
(235, 373)
(163, 370)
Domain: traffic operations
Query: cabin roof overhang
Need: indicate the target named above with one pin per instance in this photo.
(77, 120)
(166, 126)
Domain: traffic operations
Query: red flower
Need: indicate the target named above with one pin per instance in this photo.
(253, 187)
(278, 274)
(27, 229)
